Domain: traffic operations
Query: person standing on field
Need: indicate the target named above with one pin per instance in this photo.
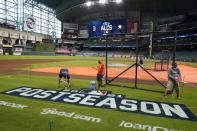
(174, 77)
(141, 61)
(100, 73)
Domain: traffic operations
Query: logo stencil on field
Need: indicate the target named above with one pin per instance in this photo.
(116, 102)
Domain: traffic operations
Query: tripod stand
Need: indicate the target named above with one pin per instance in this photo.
(135, 65)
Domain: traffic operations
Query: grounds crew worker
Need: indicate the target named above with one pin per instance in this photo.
(64, 76)
(100, 73)
(141, 61)
(174, 77)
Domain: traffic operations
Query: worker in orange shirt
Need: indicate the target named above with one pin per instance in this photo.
(100, 73)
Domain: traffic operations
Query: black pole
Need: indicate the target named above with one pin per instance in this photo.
(120, 74)
(174, 50)
(106, 61)
(136, 62)
(153, 76)
(50, 125)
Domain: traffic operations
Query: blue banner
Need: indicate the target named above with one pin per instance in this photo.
(101, 28)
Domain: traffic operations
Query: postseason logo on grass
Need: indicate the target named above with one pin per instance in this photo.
(109, 101)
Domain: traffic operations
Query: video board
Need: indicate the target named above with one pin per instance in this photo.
(101, 28)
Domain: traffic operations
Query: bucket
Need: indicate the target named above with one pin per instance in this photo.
(92, 85)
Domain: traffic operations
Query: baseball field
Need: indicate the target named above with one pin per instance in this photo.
(30, 99)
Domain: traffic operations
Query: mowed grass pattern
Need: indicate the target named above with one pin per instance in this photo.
(30, 119)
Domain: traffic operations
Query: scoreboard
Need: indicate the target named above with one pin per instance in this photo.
(101, 28)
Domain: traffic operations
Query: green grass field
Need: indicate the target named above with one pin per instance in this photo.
(30, 118)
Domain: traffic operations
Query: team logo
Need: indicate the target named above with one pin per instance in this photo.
(106, 27)
(30, 23)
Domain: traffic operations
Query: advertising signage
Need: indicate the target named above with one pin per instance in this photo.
(106, 100)
(102, 28)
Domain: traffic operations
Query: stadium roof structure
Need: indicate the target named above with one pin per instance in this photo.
(70, 10)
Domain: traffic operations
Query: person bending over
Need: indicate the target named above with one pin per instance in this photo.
(64, 76)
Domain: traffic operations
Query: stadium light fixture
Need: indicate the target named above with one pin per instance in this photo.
(119, 27)
(118, 1)
(89, 3)
(102, 1)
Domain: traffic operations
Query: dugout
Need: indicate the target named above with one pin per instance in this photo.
(18, 47)
(7, 46)
(1, 49)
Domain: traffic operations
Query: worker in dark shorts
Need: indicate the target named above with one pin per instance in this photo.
(100, 73)
(64, 76)
(141, 61)
(174, 77)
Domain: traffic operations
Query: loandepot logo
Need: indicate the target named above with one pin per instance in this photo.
(138, 126)
(108, 101)
(106, 27)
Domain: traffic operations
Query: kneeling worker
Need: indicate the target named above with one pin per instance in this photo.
(174, 77)
(100, 73)
(64, 76)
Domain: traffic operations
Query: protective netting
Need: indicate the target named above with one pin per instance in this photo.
(154, 53)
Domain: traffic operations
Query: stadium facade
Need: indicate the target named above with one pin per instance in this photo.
(14, 12)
